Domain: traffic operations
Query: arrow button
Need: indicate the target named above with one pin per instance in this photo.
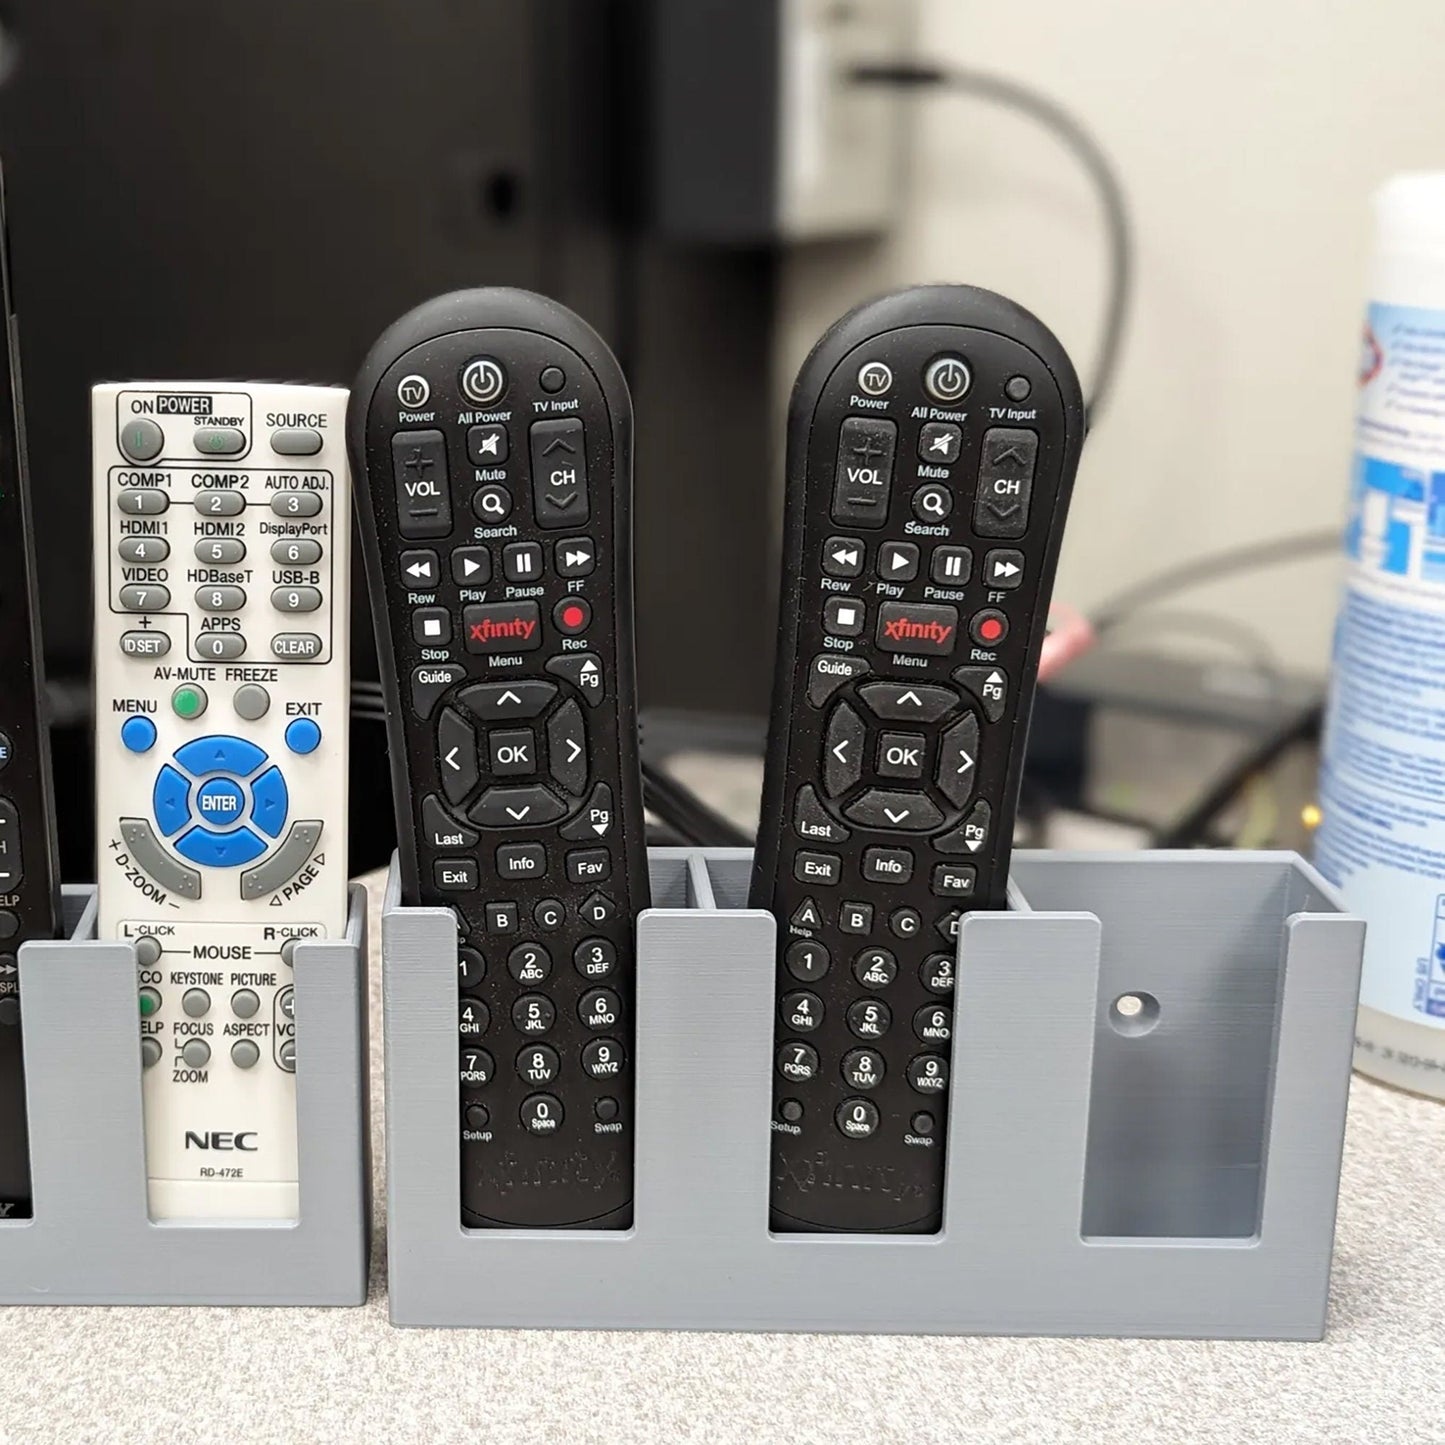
(510, 807)
(889, 811)
(521, 699)
(957, 760)
(457, 755)
(842, 751)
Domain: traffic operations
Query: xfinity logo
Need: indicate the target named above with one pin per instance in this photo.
(221, 1139)
(903, 629)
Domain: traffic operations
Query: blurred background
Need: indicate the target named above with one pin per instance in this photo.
(258, 189)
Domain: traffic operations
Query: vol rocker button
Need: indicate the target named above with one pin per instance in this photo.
(843, 750)
(863, 480)
(419, 474)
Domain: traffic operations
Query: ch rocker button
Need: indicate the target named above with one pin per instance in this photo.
(456, 755)
(559, 472)
(918, 628)
(811, 822)
(843, 751)
(958, 761)
(1005, 482)
(906, 812)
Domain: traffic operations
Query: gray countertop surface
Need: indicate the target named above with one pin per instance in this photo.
(263, 1375)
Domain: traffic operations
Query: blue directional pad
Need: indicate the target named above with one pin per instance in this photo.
(220, 850)
(231, 793)
(220, 754)
(170, 801)
(269, 802)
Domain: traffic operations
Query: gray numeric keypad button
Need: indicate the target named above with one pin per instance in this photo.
(221, 599)
(143, 549)
(296, 504)
(220, 504)
(220, 645)
(143, 502)
(220, 551)
(295, 552)
(296, 599)
(145, 597)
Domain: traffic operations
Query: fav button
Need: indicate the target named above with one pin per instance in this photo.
(303, 735)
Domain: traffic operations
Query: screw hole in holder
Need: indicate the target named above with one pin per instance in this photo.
(1134, 1014)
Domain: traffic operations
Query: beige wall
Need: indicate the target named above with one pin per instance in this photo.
(1249, 134)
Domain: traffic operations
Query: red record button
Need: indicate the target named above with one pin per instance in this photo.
(988, 628)
(572, 615)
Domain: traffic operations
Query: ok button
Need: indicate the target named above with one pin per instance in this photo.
(220, 802)
(513, 751)
(901, 755)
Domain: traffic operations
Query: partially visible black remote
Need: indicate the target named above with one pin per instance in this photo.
(491, 444)
(29, 873)
(933, 437)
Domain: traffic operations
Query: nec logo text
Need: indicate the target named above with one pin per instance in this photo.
(221, 1139)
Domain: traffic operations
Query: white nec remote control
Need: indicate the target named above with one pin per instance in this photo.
(222, 531)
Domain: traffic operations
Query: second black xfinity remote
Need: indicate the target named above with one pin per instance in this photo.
(933, 437)
(491, 444)
(29, 878)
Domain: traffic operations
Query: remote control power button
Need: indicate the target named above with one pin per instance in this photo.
(413, 391)
(946, 378)
(141, 439)
(219, 441)
(874, 378)
(296, 441)
(483, 380)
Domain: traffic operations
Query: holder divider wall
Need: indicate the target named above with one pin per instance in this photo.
(1247, 946)
(91, 1240)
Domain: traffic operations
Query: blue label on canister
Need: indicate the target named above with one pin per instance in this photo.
(1382, 779)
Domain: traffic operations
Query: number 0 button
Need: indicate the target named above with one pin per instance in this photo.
(857, 1118)
(541, 1114)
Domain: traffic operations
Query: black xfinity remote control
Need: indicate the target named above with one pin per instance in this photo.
(933, 437)
(491, 444)
(29, 874)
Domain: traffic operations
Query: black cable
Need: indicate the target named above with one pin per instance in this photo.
(1211, 568)
(1095, 162)
(1191, 825)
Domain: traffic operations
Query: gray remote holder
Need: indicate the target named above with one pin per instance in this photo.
(1149, 1088)
(91, 1240)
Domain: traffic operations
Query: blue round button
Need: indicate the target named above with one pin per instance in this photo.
(220, 802)
(138, 734)
(303, 735)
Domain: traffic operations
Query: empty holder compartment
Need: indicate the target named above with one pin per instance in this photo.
(1191, 978)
